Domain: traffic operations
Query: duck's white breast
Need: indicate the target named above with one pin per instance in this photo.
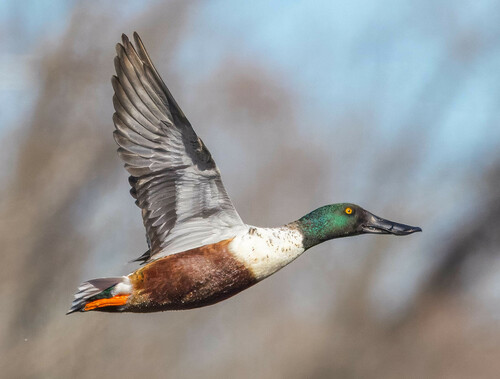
(265, 250)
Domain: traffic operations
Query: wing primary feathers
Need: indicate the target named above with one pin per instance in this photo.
(143, 54)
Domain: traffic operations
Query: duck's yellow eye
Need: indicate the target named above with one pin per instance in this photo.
(348, 210)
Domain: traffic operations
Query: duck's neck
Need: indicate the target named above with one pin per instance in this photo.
(266, 250)
(318, 226)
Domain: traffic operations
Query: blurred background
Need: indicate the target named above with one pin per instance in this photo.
(393, 105)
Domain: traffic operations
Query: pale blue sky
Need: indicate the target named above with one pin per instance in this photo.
(381, 55)
(340, 55)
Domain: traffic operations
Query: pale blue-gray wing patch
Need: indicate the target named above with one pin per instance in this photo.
(174, 179)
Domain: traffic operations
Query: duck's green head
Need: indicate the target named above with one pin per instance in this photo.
(343, 220)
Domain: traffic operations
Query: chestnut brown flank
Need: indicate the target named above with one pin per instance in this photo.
(191, 279)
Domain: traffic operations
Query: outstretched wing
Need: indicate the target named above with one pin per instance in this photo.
(174, 179)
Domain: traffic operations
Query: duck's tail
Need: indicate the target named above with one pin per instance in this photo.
(103, 294)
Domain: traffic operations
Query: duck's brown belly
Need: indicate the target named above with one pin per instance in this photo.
(191, 279)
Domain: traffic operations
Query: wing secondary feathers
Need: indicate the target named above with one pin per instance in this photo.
(174, 179)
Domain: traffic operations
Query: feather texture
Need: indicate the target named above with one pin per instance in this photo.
(174, 179)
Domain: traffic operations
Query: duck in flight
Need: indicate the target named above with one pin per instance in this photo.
(200, 251)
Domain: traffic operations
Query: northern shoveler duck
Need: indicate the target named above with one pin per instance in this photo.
(200, 251)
